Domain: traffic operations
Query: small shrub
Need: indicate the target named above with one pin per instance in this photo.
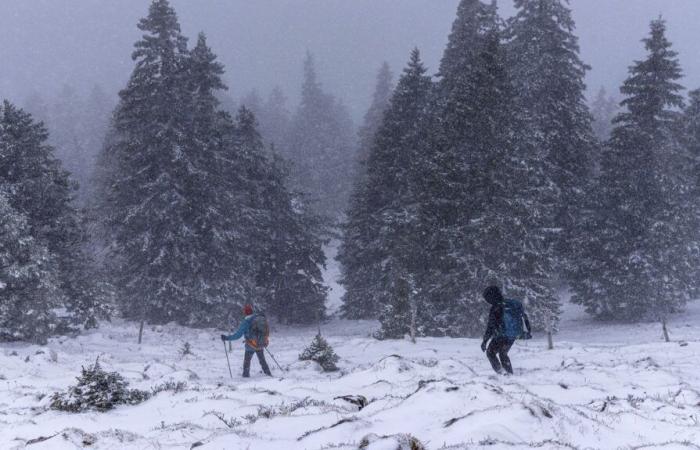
(321, 352)
(170, 386)
(398, 441)
(97, 390)
(186, 350)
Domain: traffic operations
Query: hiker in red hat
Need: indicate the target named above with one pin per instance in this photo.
(255, 330)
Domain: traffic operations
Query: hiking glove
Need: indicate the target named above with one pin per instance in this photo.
(483, 346)
(223, 337)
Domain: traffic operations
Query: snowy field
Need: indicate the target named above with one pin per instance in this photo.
(604, 387)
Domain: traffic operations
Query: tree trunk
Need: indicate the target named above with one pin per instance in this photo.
(664, 327)
(141, 329)
(550, 340)
(414, 313)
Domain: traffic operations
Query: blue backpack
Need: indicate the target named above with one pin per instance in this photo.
(513, 312)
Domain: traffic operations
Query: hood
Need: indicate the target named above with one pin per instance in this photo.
(493, 295)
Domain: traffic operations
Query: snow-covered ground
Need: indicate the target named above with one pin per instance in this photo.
(331, 276)
(604, 387)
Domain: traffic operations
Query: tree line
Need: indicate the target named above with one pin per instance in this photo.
(495, 171)
(193, 214)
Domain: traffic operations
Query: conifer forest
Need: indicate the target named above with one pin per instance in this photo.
(374, 204)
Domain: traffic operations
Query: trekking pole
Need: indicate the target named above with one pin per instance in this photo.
(273, 358)
(227, 360)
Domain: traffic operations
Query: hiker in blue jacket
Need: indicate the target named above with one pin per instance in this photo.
(505, 325)
(256, 339)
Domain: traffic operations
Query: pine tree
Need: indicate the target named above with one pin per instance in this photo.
(28, 281)
(217, 194)
(604, 108)
(548, 75)
(321, 146)
(321, 352)
(153, 231)
(640, 256)
(40, 190)
(690, 131)
(284, 235)
(381, 197)
(375, 114)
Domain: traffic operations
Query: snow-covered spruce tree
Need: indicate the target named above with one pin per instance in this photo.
(97, 390)
(549, 79)
(640, 258)
(321, 146)
(484, 185)
(40, 190)
(359, 302)
(390, 182)
(359, 257)
(28, 281)
(375, 114)
(285, 237)
(217, 193)
(603, 109)
(321, 352)
(149, 208)
(394, 176)
(690, 131)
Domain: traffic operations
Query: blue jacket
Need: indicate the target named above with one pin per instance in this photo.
(243, 331)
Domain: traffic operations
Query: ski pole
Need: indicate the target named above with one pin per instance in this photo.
(273, 358)
(227, 360)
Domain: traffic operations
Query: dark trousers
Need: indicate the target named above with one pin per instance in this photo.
(261, 357)
(498, 354)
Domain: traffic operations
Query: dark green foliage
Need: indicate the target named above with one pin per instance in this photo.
(39, 189)
(549, 80)
(489, 199)
(28, 281)
(397, 315)
(639, 258)
(382, 235)
(375, 115)
(97, 390)
(690, 133)
(186, 349)
(321, 352)
(146, 208)
(474, 180)
(195, 210)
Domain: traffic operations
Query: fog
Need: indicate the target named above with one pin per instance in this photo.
(45, 44)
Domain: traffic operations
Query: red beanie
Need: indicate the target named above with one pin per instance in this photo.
(248, 310)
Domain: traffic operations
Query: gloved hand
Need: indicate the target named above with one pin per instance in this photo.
(527, 335)
(223, 337)
(483, 346)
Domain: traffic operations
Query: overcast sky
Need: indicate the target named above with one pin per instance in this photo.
(47, 43)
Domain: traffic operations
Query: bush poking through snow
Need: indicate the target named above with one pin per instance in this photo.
(186, 350)
(170, 386)
(399, 442)
(321, 352)
(97, 390)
